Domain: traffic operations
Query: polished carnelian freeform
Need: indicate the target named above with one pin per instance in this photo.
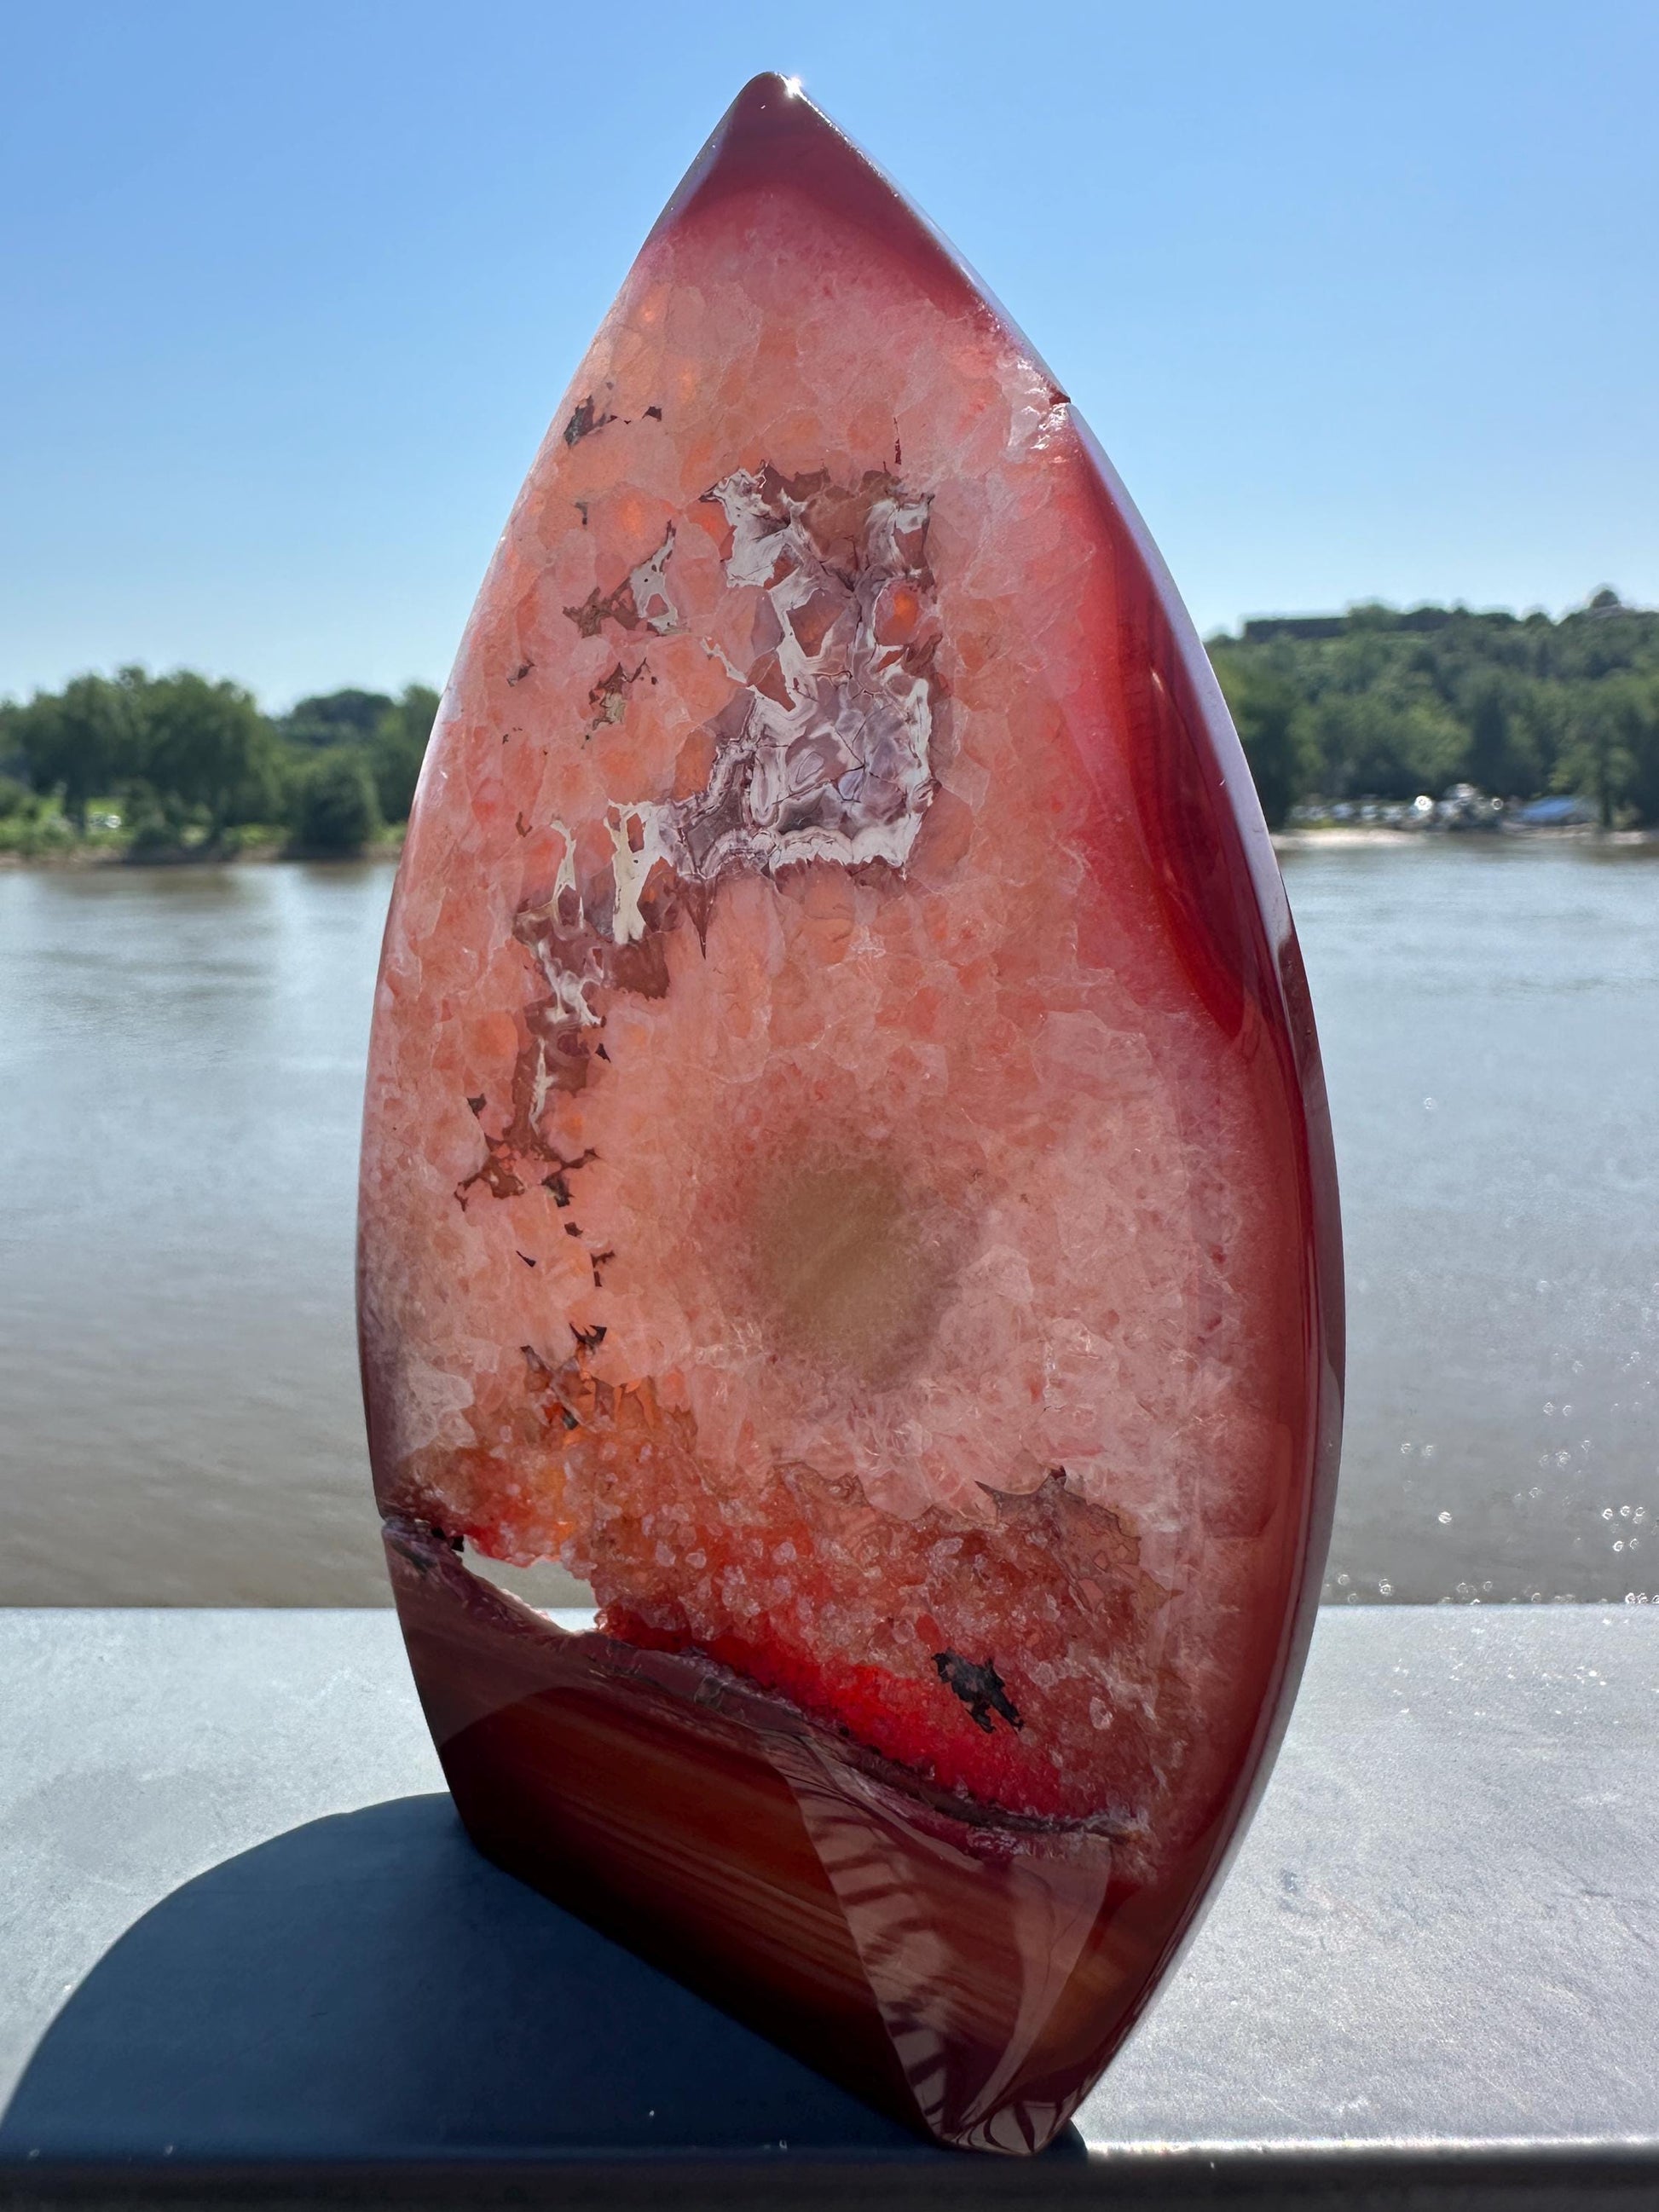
(846, 1174)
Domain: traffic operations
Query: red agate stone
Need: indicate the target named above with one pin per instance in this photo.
(847, 1173)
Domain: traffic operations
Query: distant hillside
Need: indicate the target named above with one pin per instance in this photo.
(1377, 704)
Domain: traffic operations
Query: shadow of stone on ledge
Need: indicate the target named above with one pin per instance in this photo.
(368, 1987)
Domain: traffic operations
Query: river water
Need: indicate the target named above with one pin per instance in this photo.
(181, 1056)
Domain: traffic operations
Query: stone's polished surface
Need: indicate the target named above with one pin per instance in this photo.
(846, 1172)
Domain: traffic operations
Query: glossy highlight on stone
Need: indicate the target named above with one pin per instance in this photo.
(846, 1172)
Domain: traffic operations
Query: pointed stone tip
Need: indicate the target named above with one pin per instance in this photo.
(772, 137)
(769, 87)
(772, 105)
(766, 135)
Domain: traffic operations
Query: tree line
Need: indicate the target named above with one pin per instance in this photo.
(189, 763)
(1381, 704)
(1372, 704)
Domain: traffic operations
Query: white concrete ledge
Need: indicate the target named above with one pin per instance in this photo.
(248, 1954)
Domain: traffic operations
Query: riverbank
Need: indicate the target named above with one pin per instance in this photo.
(261, 852)
(1337, 837)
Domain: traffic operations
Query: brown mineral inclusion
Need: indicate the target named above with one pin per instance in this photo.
(846, 1174)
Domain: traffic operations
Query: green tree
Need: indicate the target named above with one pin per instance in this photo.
(206, 747)
(1612, 752)
(335, 718)
(1268, 716)
(83, 741)
(334, 805)
(1374, 745)
(398, 748)
(1643, 740)
(1497, 759)
(1540, 721)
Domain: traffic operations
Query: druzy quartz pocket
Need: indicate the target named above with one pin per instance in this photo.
(847, 1173)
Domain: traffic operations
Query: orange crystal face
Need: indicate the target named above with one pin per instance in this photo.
(845, 1169)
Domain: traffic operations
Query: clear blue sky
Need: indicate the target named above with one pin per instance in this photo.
(1362, 298)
